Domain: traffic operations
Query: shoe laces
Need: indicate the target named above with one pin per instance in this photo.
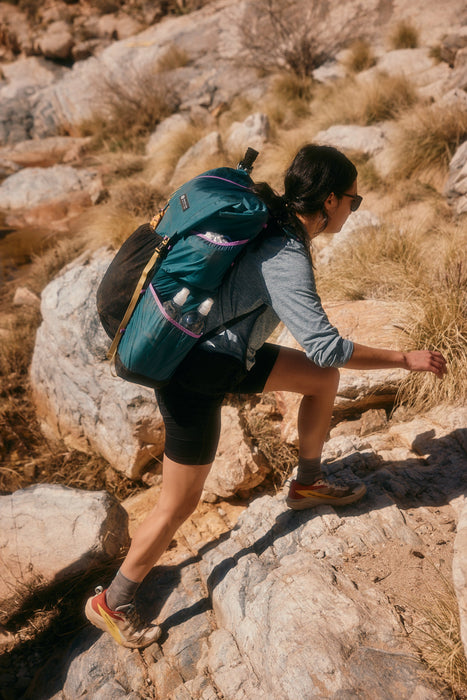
(133, 617)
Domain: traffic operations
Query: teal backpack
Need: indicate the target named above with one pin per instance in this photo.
(189, 245)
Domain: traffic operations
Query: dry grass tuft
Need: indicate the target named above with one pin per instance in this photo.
(288, 99)
(108, 225)
(360, 56)
(46, 265)
(173, 57)
(437, 638)
(404, 36)
(426, 140)
(262, 424)
(138, 199)
(376, 262)
(439, 322)
(351, 102)
(161, 165)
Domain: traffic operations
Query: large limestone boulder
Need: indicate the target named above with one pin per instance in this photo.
(366, 139)
(32, 73)
(43, 153)
(369, 322)
(456, 186)
(77, 398)
(38, 196)
(237, 466)
(415, 64)
(57, 41)
(49, 533)
(280, 578)
(253, 131)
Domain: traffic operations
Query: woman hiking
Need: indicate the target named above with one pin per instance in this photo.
(273, 281)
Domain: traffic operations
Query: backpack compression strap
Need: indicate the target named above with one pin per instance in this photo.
(131, 306)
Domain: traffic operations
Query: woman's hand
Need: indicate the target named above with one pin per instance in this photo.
(425, 361)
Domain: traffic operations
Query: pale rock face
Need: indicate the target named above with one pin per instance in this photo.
(32, 73)
(207, 147)
(358, 220)
(456, 186)
(34, 186)
(279, 571)
(24, 297)
(51, 532)
(44, 152)
(174, 123)
(296, 612)
(459, 74)
(254, 132)
(367, 139)
(76, 396)
(237, 467)
(57, 41)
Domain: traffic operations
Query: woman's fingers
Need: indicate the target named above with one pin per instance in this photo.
(426, 361)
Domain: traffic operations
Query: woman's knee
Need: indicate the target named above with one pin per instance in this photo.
(322, 380)
(177, 513)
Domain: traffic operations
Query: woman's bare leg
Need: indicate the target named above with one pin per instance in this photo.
(182, 485)
(294, 372)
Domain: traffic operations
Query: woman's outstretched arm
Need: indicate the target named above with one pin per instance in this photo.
(364, 357)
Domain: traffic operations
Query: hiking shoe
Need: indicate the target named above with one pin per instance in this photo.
(124, 623)
(323, 492)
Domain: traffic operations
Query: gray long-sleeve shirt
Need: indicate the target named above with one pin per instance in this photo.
(275, 280)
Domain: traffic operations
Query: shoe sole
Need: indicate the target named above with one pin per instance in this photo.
(310, 501)
(96, 620)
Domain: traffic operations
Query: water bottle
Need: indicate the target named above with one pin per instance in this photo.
(173, 307)
(194, 321)
(216, 238)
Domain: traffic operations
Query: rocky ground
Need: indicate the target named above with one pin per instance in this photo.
(253, 599)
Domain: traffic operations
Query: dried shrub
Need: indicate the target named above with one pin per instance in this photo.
(173, 57)
(404, 36)
(350, 102)
(274, 36)
(138, 199)
(438, 640)
(131, 109)
(438, 321)
(377, 262)
(360, 57)
(427, 138)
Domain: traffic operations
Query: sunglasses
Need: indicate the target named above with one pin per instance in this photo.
(356, 200)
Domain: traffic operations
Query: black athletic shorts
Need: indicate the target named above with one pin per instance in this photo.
(190, 403)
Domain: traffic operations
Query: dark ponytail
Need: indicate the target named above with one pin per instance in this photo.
(280, 210)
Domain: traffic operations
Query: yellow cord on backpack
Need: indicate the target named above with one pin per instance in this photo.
(149, 265)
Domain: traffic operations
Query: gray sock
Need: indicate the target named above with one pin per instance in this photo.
(309, 470)
(121, 591)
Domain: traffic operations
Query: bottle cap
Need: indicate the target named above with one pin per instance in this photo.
(181, 296)
(205, 306)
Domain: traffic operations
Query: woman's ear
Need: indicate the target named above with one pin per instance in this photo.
(330, 202)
